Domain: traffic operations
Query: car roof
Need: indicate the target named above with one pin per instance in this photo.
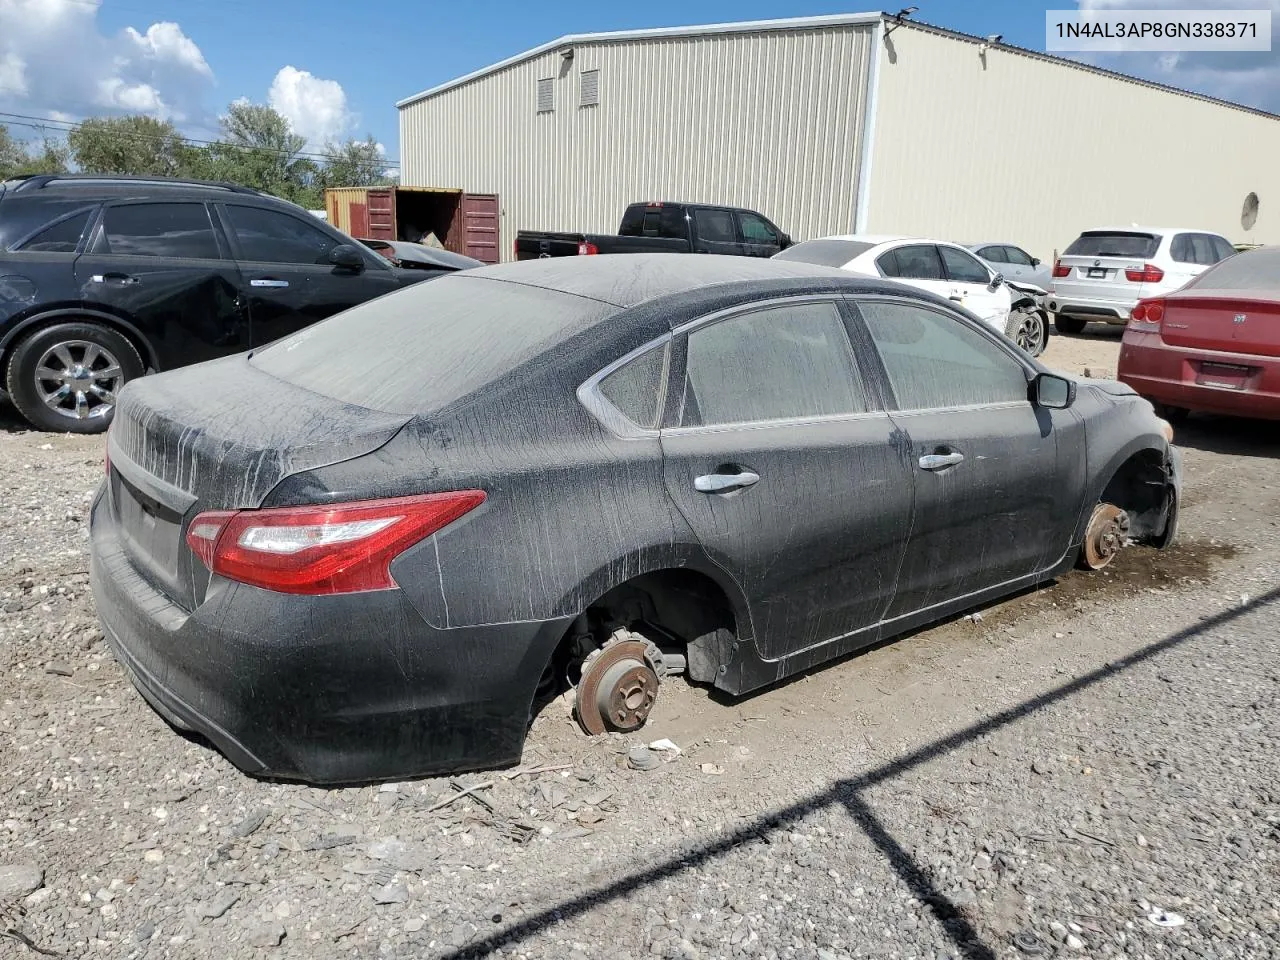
(1137, 228)
(626, 280)
(875, 239)
(987, 243)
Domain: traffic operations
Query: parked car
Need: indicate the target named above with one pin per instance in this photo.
(339, 566)
(1214, 345)
(418, 256)
(105, 278)
(945, 269)
(1013, 263)
(1104, 273)
(665, 228)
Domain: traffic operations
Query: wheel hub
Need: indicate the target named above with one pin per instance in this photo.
(78, 379)
(1107, 533)
(619, 686)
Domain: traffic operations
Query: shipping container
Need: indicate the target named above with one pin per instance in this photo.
(465, 223)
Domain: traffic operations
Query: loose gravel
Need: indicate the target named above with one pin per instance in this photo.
(1086, 771)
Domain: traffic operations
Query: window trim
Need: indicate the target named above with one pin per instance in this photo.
(890, 397)
(677, 369)
(610, 417)
(96, 233)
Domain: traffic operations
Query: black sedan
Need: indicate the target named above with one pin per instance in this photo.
(367, 550)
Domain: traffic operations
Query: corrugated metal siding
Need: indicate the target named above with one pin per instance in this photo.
(1034, 151)
(770, 120)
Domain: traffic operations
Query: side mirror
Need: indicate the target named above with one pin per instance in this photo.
(346, 257)
(996, 282)
(786, 241)
(1035, 261)
(1054, 392)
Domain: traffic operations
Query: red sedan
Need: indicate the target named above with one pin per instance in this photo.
(1213, 345)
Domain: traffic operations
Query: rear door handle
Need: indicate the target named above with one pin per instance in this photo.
(722, 482)
(268, 282)
(122, 278)
(940, 461)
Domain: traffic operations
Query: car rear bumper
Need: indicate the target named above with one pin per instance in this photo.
(1101, 309)
(1175, 376)
(339, 689)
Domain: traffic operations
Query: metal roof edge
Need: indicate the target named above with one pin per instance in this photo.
(653, 33)
(1087, 67)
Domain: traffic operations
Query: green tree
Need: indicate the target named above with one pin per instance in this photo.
(260, 150)
(18, 158)
(137, 145)
(355, 163)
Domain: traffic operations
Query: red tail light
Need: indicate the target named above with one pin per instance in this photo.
(1148, 274)
(1146, 316)
(587, 249)
(339, 548)
(1059, 270)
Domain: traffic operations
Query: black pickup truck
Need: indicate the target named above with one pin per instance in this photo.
(665, 228)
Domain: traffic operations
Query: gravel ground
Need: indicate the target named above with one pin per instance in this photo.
(1088, 770)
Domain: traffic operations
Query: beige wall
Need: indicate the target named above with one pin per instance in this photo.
(949, 161)
(770, 120)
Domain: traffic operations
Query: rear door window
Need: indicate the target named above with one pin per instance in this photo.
(1202, 250)
(62, 236)
(715, 226)
(1016, 256)
(1180, 248)
(1113, 243)
(919, 262)
(636, 388)
(778, 363)
(1223, 247)
(178, 230)
(934, 361)
(962, 267)
(672, 223)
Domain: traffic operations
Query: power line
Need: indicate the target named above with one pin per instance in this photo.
(66, 126)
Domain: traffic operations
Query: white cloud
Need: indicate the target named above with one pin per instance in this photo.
(315, 108)
(54, 58)
(1250, 78)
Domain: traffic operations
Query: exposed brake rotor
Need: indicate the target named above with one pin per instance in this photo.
(1107, 533)
(619, 684)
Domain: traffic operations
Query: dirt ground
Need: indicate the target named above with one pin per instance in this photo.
(1085, 770)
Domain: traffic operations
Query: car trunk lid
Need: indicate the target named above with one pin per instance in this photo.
(1222, 320)
(176, 451)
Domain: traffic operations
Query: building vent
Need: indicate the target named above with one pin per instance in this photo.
(590, 88)
(546, 95)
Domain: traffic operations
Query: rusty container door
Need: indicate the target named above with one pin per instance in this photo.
(339, 203)
(359, 221)
(381, 213)
(480, 226)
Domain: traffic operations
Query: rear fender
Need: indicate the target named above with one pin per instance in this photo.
(67, 312)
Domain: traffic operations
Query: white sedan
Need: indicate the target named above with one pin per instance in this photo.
(946, 269)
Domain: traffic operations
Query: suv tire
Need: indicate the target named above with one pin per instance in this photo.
(1069, 324)
(65, 378)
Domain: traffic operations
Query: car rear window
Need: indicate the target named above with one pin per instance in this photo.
(418, 350)
(1252, 270)
(63, 236)
(825, 253)
(1113, 243)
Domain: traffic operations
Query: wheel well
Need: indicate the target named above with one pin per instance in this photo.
(683, 611)
(138, 341)
(1140, 488)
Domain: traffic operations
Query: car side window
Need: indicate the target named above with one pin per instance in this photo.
(963, 267)
(1181, 250)
(636, 387)
(175, 230)
(715, 226)
(1016, 256)
(887, 264)
(1202, 249)
(756, 230)
(62, 236)
(776, 363)
(994, 254)
(269, 236)
(672, 224)
(936, 361)
(1223, 247)
(919, 262)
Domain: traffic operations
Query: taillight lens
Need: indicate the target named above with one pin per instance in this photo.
(1149, 273)
(1059, 270)
(1146, 316)
(338, 548)
(587, 249)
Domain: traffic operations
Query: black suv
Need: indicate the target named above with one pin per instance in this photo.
(103, 279)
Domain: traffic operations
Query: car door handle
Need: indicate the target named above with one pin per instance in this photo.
(723, 482)
(268, 282)
(940, 461)
(122, 278)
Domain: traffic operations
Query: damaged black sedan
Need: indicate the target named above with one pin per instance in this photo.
(369, 549)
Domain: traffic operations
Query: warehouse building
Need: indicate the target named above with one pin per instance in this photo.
(861, 122)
